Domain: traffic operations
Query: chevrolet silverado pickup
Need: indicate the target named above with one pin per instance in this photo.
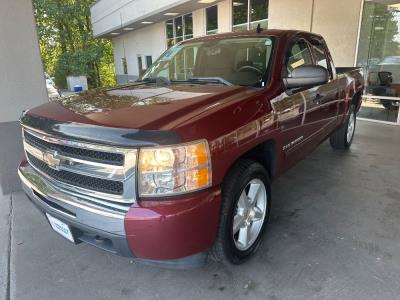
(179, 164)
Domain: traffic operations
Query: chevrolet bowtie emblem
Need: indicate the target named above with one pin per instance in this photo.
(50, 158)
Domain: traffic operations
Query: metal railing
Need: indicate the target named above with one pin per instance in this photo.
(397, 119)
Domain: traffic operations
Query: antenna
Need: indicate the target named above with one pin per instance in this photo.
(259, 29)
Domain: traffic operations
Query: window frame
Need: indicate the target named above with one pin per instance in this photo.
(175, 38)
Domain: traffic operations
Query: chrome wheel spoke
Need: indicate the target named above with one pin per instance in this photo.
(244, 235)
(243, 201)
(258, 214)
(253, 192)
(238, 222)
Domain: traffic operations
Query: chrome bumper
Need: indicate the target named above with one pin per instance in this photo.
(93, 224)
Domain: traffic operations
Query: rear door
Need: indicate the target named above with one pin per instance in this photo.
(321, 101)
(306, 115)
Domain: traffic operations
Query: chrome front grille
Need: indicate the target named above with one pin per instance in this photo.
(73, 152)
(78, 180)
(100, 174)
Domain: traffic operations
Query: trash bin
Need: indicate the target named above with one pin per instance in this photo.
(78, 88)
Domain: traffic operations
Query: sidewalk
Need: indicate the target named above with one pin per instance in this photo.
(5, 244)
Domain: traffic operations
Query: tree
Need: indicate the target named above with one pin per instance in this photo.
(67, 44)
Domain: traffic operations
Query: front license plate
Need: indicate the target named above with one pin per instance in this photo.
(61, 228)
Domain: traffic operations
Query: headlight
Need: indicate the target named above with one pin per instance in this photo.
(174, 170)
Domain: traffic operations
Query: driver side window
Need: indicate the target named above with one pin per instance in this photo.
(297, 55)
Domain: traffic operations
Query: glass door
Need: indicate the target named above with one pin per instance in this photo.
(379, 55)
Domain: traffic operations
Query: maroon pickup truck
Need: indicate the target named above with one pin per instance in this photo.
(179, 164)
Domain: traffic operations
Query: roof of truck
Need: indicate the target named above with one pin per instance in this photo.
(253, 33)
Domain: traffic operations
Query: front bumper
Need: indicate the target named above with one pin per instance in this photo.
(173, 233)
(89, 224)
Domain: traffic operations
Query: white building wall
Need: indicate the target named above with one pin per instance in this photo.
(108, 15)
(290, 14)
(199, 22)
(225, 16)
(22, 82)
(22, 86)
(337, 21)
(150, 40)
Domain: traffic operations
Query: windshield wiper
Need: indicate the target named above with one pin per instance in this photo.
(209, 80)
(156, 80)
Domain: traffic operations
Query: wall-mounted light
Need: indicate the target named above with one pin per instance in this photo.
(114, 33)
(146, 22)
(171, 14)
(128, 28)
(206, 1)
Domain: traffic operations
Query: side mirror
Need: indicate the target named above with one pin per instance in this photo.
(306, 76)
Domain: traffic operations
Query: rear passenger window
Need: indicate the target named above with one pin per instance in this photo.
(298, 55)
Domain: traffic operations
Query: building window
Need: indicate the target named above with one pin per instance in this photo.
(247, 14)
(169, 27)
(149, 61)
(179, 29)
(212, 19)
(188, 22)
(124, 65)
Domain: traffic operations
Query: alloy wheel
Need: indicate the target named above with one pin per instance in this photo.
(250, 214)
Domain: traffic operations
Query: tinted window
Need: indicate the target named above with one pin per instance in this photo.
(249, 14)
(212, 19)
(188, 26)
(258, 10)
(297, 55)
(149, 61)
(240, 14)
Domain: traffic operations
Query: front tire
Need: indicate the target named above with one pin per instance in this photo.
(246, 202)
(343, 136)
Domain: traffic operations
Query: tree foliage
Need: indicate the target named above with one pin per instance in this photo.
(67, 45)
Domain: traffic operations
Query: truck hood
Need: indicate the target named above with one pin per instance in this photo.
(138, 106)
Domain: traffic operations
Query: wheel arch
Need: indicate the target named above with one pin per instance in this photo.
(265, 154)
(357, 100)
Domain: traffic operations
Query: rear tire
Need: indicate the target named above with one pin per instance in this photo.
(343, 136)
(246, 202)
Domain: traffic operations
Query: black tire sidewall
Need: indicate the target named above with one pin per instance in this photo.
(239, 183)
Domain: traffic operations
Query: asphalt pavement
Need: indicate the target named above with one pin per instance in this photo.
(334, 233)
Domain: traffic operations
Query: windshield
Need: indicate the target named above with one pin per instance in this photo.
(239, 61)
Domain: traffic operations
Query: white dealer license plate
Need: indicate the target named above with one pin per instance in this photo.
(61, 228)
